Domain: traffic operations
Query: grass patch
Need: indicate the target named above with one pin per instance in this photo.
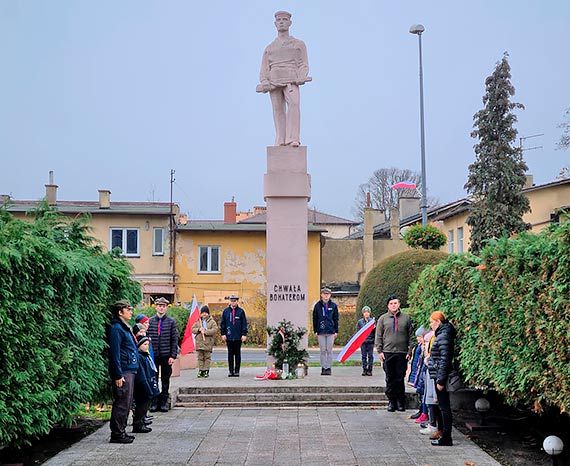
(97, 411)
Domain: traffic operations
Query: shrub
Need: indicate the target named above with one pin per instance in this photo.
(428, 237)
(285, 341)
(394, 275)
(55, 288)
(512, 313)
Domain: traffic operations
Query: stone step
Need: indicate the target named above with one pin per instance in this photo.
(261, 397)
(283, 404)
(285, 395)
(281, 389)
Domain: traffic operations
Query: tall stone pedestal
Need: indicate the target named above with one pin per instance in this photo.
(287, 189)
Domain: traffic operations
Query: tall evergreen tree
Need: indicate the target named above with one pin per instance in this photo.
(497, 176)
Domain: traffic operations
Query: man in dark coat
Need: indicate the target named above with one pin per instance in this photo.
(394, 342)
(123, 365)
(164, 337)
(233, 327)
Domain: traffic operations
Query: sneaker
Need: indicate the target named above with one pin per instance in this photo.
(415, 415)
(423, 418)
(435, 435)
(423, 425)
(441, 442)
(428, 430)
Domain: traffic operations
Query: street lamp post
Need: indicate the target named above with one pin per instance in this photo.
(419, 29)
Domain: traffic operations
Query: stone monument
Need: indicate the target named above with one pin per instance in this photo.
(287, 186)
(284, 67)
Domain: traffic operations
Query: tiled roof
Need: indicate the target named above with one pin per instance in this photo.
(92, 207)
(313, 216)
(221, 226)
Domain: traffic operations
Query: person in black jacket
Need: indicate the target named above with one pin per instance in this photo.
(441, 364)
(164, 337)
(233, 327)
(123, 365)
(146, 386)
(325, 326)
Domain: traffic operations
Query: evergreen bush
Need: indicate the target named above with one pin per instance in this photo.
(428, 237)
(56, 286)
(394, 276)
(512, 313)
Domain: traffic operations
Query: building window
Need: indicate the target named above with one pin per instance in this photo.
(450, 241)
(127, 239)
(460, 239)
(209, 259)
(158, 242)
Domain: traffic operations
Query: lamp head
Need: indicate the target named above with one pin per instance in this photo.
(482, 405)
(417, 29)
(553, 445)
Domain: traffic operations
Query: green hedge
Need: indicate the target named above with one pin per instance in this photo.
(512, 314)
(394, 275)
(55, 288)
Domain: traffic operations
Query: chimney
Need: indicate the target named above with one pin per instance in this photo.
(408, 206)
(51, 190)
(529, 181)
(230, 212)
(259, 210)
(394, 223)
(104, 199)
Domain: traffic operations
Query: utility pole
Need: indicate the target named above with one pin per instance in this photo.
(172, 233)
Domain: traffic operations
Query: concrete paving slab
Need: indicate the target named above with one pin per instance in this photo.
(333, 436)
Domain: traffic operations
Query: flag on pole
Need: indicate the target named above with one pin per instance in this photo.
(404, 185)
(356, 341)
(188, 342)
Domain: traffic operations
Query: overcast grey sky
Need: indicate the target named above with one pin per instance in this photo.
(113, 94)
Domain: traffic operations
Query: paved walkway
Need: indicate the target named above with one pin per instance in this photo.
(276, 436)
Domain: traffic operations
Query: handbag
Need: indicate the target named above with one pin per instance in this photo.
(454, 382)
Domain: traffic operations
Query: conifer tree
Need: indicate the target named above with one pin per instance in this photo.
(497, 176)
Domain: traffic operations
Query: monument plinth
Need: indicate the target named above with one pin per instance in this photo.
(287, 189)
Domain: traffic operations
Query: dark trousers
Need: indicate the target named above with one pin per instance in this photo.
(165, 369)
(444, 420)
(141, 408)
(234, 356)
(395, 365)
(367, 352)
(122, 400)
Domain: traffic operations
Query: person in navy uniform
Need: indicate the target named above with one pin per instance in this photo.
(233, 327)
(123, 366)
(325, 326)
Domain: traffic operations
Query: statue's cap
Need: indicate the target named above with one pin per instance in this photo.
(283, 13)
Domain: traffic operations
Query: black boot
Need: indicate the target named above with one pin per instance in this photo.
(402, 405)
(154, 405)
(206, 374)
(391, 406)
(142, 429)
(163, 408)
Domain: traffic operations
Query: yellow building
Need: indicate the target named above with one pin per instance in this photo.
(545, 200)
(140, 229)
(217, 258)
